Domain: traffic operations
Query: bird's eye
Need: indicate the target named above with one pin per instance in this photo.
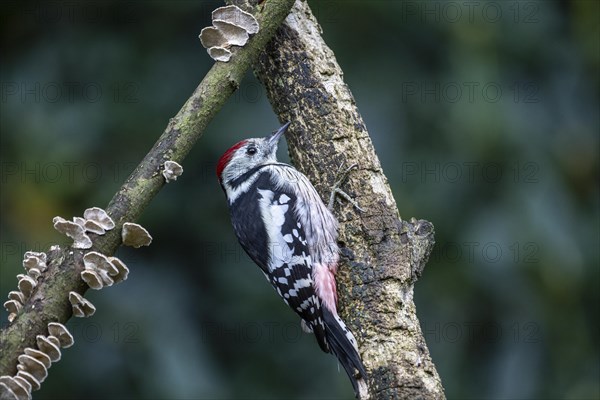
(251, 151)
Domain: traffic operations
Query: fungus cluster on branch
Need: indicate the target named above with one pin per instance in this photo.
(34, 363)
(99, 271)
(34, 264)
(95, 220)
(231, 29)
(171, 170)
(135, 235)
(81, 307)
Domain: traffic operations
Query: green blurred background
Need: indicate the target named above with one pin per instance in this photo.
(484, 116)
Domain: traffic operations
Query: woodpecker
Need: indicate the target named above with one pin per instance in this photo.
(286, 229)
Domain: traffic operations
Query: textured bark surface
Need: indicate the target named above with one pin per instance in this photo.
(49, 301)
(382, 256)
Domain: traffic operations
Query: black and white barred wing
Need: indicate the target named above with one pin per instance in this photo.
(301, 258)
(290, 262)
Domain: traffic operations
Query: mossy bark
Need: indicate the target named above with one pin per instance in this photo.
(382, 255)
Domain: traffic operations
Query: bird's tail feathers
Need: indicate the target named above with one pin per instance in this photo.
(343, 344)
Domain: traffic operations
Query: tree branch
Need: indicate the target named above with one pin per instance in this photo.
(49, 302)
(382, 255)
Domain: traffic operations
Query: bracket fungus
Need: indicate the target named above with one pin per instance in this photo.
(34, 263)
(122, 270)
(23, 383)
(212, 37)
(95, 220)
(13, 307)
(32, 366)
(171, 171)
(54, 340)
(79, 221)
(219, 54)
(135, 235)
(26, 285)
(82, 307)
(61, 332)
(32, 259)
(11, 388)
(94, 227)
(232, 27)
(39, 355)
(101, 271)
(92, 279)
(74, 231)
(34, 273)
(99, 217)
(35, 384)
(101, 265)
(236, 15)
(234, 35)
(17, 296)
(50, 346)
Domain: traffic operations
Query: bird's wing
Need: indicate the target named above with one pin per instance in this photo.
(290, 261)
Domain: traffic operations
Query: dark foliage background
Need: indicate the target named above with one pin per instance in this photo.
(484, 115)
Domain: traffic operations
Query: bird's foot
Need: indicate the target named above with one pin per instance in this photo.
(341, 177)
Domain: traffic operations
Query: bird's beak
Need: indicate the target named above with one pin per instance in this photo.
(274, 140)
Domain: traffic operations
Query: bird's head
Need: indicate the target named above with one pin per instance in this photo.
(248, 154)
